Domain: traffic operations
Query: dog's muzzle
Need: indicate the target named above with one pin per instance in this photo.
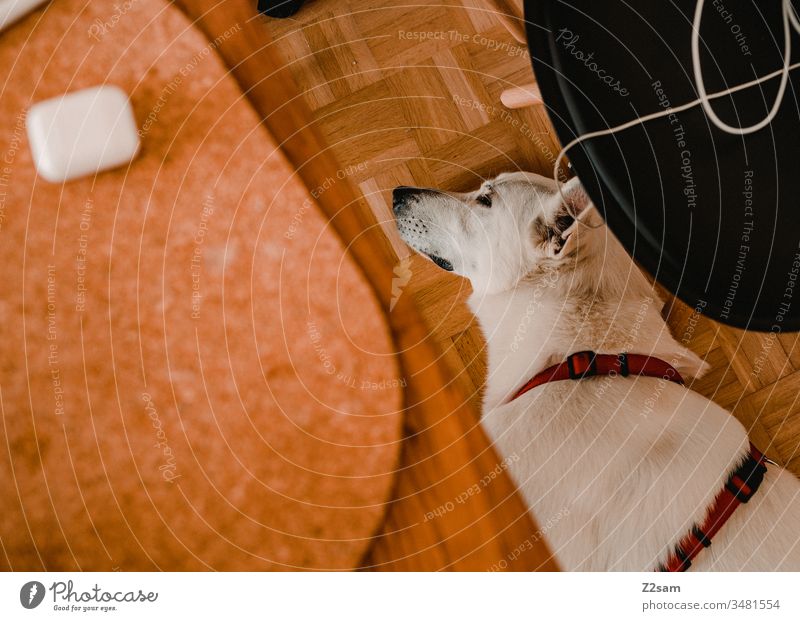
(403, 196)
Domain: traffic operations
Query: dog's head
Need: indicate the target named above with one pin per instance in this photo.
(510, 227)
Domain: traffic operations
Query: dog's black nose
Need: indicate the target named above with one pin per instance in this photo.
(400, 196)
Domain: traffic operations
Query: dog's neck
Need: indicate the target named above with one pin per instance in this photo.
(544, 319)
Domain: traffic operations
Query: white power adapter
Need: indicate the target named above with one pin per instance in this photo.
(82, 133)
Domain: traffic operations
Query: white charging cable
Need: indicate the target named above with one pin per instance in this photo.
(789, 17)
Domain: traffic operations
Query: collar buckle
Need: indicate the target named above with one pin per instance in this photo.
(582, 364)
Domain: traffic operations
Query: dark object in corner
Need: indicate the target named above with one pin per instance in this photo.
(279, 8)
(711, 216)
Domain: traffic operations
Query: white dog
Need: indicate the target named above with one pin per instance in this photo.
(618, 469)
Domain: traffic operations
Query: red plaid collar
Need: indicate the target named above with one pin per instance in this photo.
(587, 363)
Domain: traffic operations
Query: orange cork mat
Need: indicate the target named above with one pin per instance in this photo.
(193, 373)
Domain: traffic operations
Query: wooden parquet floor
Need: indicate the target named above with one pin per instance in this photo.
(410, 94)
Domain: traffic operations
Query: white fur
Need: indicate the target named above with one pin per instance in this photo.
(615, 470)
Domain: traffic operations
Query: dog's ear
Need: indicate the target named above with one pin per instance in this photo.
(573, 208)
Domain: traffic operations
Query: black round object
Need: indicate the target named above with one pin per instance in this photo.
(713, 216)
(279, 8)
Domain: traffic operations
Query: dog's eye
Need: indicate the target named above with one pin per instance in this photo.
(485, 200)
